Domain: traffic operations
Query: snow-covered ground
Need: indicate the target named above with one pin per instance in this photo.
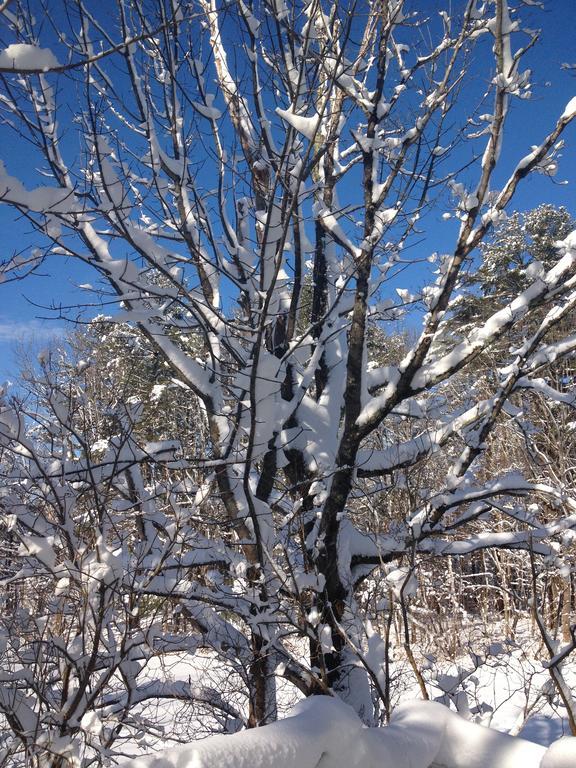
(508, 715)
(493, 706)
(322, 732)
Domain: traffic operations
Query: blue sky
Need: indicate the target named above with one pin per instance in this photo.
(25, 306)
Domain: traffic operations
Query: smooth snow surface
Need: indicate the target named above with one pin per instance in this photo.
(464, 744)
(318, 728)
(562, 754)
(322, 732)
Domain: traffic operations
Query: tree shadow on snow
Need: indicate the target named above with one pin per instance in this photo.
(544, 730)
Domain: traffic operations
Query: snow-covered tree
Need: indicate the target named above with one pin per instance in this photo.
(89, 528)
(518, 249)
(220, 164)
(539, 441)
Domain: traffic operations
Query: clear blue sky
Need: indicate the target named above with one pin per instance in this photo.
(21, 317)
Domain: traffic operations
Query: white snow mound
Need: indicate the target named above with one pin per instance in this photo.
(319, 727)
(324, 732)
(562, 754)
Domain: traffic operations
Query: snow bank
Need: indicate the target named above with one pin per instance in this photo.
(463, 744)
(318, 728)
(562, 754)
(325, 732)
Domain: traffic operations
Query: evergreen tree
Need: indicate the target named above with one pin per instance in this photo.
(518, 251)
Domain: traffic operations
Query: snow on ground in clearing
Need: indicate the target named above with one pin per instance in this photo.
(507, 690)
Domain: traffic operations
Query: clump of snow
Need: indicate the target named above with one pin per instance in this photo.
(570, 110)
(307, 126)
(402, 581)
(41, 548)
(208, 110)
(23, 57)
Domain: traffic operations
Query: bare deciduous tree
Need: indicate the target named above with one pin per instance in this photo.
(222, 166)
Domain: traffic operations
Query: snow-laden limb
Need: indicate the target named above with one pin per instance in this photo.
(436, 370)
(38, 200)
(182, 690)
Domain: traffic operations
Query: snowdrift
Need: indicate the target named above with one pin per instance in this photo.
(323, 732)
